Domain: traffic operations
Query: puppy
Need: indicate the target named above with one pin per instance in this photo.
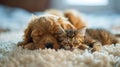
(42, 32)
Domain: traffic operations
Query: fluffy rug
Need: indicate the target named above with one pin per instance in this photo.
(13, 56)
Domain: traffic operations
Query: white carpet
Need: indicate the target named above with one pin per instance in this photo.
(13, 56)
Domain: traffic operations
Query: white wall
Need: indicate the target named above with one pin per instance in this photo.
(113, 6)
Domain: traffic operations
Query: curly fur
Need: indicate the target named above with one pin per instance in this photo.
(42, 33)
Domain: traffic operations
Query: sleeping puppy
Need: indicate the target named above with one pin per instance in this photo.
(42, 32)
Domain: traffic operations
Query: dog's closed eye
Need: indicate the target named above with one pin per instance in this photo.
(36, 33)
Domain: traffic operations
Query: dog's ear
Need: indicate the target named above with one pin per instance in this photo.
(70, 26)
(82, 31)
(65, 24)
(59, 30)
(28, 31)
(27, 35)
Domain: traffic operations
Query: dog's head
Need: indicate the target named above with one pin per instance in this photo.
(43, 31)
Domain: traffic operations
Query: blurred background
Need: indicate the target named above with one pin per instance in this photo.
(15, 14)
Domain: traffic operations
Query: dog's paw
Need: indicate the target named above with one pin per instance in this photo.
(20, 44)
(29, 46)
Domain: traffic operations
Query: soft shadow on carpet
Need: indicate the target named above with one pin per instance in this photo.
(13, 56)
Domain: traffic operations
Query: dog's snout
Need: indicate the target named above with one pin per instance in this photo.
(49, 45)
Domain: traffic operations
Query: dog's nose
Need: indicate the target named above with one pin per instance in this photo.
(49, 45)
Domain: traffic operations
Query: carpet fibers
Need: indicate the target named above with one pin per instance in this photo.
(13, 56)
